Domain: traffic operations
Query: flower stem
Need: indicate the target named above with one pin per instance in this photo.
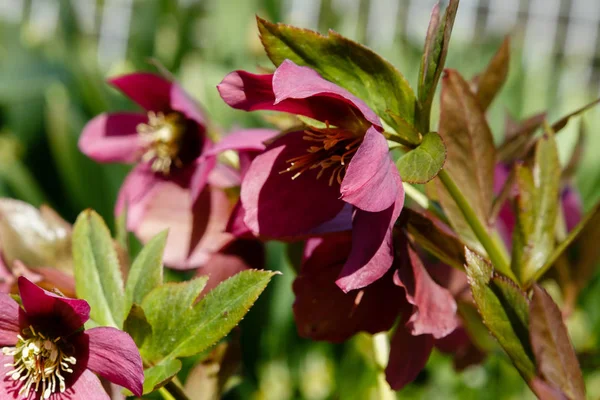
(497, 255)
(172, 391)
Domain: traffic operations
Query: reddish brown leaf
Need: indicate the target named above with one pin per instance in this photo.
(555, 358)
(492, 79)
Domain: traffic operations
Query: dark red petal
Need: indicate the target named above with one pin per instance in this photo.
(372, 182)
(236, 225)
(323, 312)
(54, 313)
(291, 81)
(408, 356)
(278, 206)
(152, 92)
(112, 138)
(12, 320)
(435, 309)
(372, 248)
(113, 355)
(571, 207)
(460, 346)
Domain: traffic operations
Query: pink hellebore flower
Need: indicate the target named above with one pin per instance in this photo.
(166, 142)
(427, 310)
(305, 179)
(48, 355)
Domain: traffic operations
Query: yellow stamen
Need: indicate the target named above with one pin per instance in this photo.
(39, 363)
(163, 135)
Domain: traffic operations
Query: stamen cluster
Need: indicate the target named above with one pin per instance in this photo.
(163, 135)
(39, 362)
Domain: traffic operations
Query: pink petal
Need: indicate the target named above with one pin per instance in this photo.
(372, 248)
(408, 356)
(243, 140)
(251, 92)
(323, 312)
(571, 207)
(236, 225)
(372, 182)
(278, 206)
(435, 309)
(87, 386)
(224, 177)
(202, 169)
(291, 81)
(152, 92)
(66, 315)
(114, 356)
(11, 320)
(112, 138)
(135, 193)
(195, 233)
(181, 101)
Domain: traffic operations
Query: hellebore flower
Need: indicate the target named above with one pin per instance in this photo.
(322, 312)
(46, 354)
(36, 244)
(337, 167)
(166, 142)
(197, 230)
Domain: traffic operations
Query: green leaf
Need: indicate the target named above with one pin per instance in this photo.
(471, 155)
(137, 325)
(182, 328)
(407, 132)
(423, 163)
(536, 209)
(146, 272)
(492, 79)
(556, 359)
(159, 375)
(344, 62)
(97, 271)
(504, 310)
(434, 56)
(435, 237)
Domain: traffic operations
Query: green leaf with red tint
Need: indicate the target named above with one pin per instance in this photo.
(490, 81)
(504, 309)
(344, 62)
(422, 164)
(536, 209)
(556, 359)
(471, 155)
(435, 237)
(434, 56)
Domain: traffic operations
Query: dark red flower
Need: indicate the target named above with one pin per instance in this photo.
(47, 354)
(305, 179)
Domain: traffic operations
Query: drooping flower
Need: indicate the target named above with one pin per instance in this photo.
(166, 142)
(426, 309)
(337, 167)
(35, 243)
(46, 354)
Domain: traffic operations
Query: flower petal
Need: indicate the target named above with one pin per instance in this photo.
(408, 356)
(372, 248)
(236, 225)
(152, 92)
(11, 320)
(571, 207)
(52, 312)
(112, 138)
(243, 140)
(113, 355)
(372, 181)
(87, 386)
(435, 309)
(291, 81)
(181, 101)
(277, 205)
(135, 193)
(251, 92)
(195, 232)
(323, 312)
(202, 169)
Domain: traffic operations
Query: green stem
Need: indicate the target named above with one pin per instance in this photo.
(175, 391)
(395, 138)
(497, 255)
(166, 394)
(381, 352)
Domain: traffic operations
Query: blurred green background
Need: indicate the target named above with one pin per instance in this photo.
(56, 54)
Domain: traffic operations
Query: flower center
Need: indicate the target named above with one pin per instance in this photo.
(163, 136)
(331, 152)
(39, 363)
